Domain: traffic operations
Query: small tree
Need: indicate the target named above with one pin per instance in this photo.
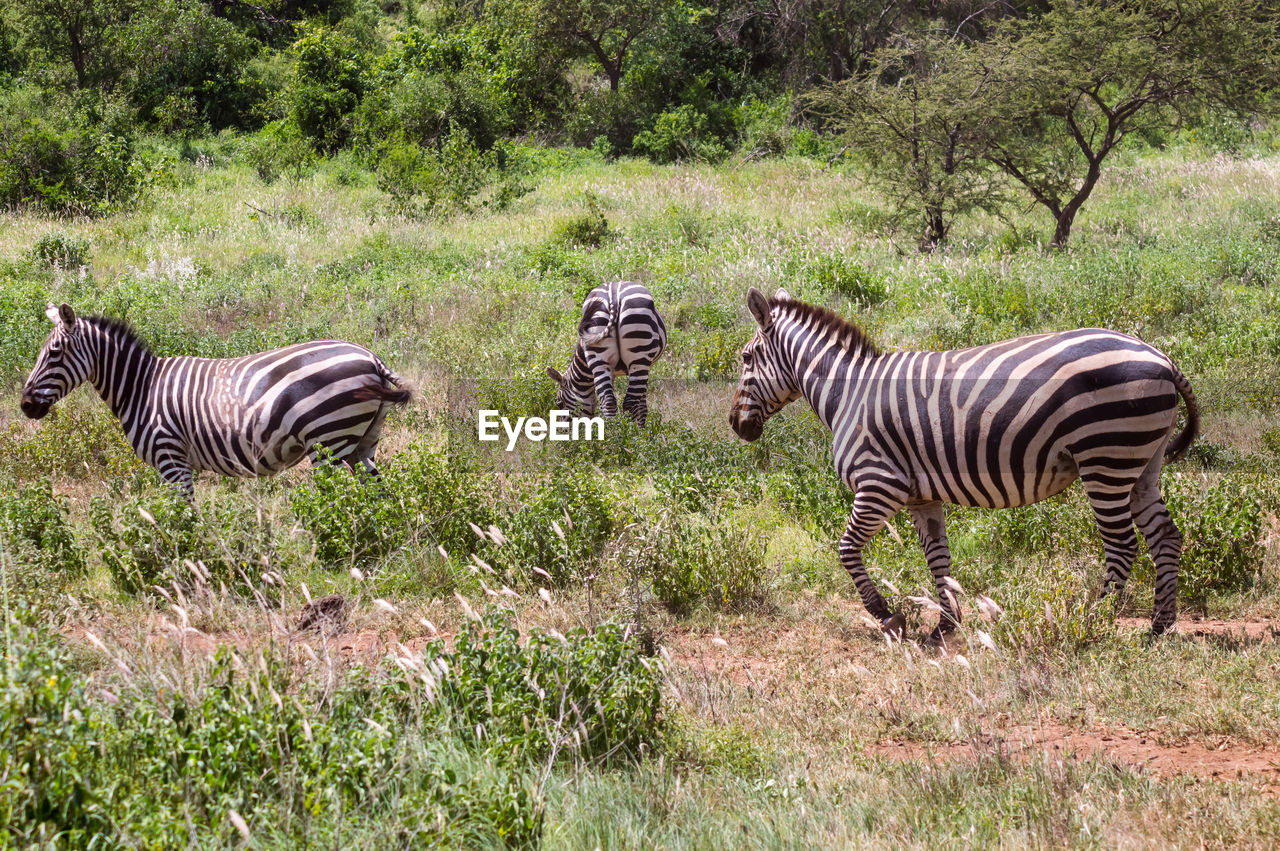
(1058, 93)
(603, 29)
(73, 31)
(910, 118)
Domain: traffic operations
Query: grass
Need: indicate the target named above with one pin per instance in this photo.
(777, 700)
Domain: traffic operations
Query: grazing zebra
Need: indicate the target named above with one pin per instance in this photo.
(249, 416)
(620, 332)
(1001, 425)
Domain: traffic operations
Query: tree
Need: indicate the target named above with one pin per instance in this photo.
(604, 29)
(74, 31)
(909, 116)
(1058, 93)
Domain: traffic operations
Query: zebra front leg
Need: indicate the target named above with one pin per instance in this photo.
(179, 475)
(931, 527)
(871, 510)
(636, 402)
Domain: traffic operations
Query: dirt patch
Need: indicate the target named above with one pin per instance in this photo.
(1252, 630)
(1223, 761)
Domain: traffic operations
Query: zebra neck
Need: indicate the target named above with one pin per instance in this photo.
(121, 370)
(828, 376)
(579, 373)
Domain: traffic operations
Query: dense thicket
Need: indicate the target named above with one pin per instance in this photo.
(953, 106)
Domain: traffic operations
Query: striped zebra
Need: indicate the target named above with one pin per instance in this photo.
(620, 333)
(249, 416)
(1001, 425)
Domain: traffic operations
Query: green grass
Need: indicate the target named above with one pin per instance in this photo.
(717, 554)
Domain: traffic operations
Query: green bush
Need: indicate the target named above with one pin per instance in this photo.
(280, 150)
(679, 134)
(588, 695)
(66, 159)
(328, 81)
(444, 751)
(558, 526)
(75, 441)
(587, 230)
(423, 496)
(1223, 534)
(693, 562)
(38, 537)
(60, 251)
(144, 541)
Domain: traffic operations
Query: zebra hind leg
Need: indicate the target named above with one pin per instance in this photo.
(1111, 512)
(636, 402)
(930, 526)
(1164, 542)
(870, 512)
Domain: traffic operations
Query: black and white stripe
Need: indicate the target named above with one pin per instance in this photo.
(248, 416)
(620, 333)
(1001, 425)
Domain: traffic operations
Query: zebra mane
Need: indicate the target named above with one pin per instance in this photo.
(119, 330)
(850, 336)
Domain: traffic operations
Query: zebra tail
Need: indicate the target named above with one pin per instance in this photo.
(1179, 445)
(391, 389)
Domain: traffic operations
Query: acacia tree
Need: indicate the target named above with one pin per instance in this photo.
(1058, 93)
(74, 31)
(909, 117)
(604, 29)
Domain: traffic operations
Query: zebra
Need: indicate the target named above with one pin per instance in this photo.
(249, 416)
(620, 333)
(1001, 425)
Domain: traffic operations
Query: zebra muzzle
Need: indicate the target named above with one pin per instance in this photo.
(748, 427)
(34, 408)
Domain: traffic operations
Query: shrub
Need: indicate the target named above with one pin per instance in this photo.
(424, 182)
(37, 535)
(695, 563)
(679, 134)
(558, 526)
(280, 149)
(838, 274)
(60, 251)
(328, 80)
(421, 495)
(1223, 533)
(585, 696)
(75, 441)
(144, 543)
(588, 230)
(66, 160)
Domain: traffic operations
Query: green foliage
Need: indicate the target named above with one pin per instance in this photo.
(38, 536)
(693, 563)
(81, 163)
(329, 78)
(558, 525)
(73, 441)
(843, 276)
(586, 696)
(144, 543)
(61, 251)
(280, 149)
(590, 229)
(422, 496)
(1223, 534)
(679, 134)
(443, 751)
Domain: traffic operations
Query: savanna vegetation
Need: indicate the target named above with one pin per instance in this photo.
(645, 641)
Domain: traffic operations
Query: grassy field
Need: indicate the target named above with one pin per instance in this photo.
(694, 668)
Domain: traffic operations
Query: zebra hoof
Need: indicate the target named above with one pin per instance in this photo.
(894, 626)
(1159, 628)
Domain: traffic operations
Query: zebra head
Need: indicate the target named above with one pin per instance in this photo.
(60, 367)
(579, 397)
(767, 384)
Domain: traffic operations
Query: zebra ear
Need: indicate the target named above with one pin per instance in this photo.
(555, 375)
(759, 307)
(782, 295)
(52, 312)
(67, 314)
